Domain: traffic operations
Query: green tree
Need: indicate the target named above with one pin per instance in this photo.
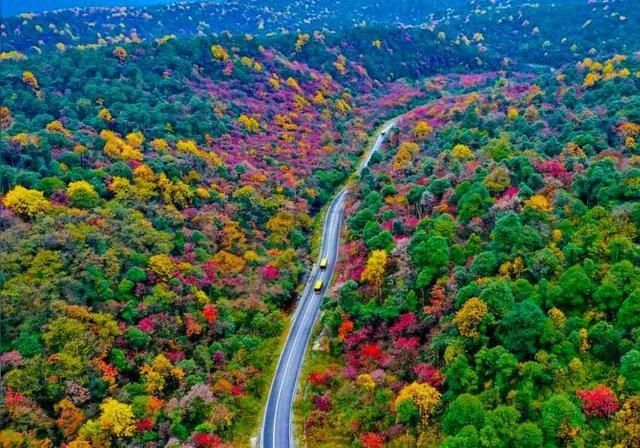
(497, 431)
(429, 251)
(465, 410)
(507, 233)
(137, 338)
(560, 416)
(605, 340)
(473, 202)
(628, 317)
(383, 240)
(528, 435)
(595, 184)
(496, 365)
(498, 297)
(575, 287)
(630, 370)
(467, 437)
(460, 377)
(484, 264)
(521, 328)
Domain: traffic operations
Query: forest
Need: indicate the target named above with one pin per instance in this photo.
(489, 280)
(163, 176)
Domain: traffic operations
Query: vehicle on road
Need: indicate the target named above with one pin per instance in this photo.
(277, 428)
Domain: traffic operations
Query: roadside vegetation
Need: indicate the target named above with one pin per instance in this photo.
(161, 187)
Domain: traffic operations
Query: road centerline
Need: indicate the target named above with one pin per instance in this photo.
(277, 426)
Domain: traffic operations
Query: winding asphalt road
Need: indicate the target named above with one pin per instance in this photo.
(277, 427)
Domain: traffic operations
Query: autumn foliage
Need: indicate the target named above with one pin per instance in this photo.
(598, 402)
(504, 312)
(162, 180)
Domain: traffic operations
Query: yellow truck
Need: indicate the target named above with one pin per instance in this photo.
(317, 286)
(323, 263)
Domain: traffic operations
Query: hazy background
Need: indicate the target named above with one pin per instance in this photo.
(12, 7)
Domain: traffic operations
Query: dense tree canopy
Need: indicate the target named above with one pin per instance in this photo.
(162, 184)
(511, 284)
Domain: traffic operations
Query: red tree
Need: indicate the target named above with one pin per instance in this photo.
(371, 351)
(210, 312)
(372, 440)
(203, 440)
(599, 402)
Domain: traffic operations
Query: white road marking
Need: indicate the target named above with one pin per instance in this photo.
(331, 232)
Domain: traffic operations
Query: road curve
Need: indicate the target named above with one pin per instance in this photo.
(277, 426)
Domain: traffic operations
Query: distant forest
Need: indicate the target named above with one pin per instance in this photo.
(11, 7)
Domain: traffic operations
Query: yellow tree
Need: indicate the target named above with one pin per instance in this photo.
(117, 418)
(232, 237)
(293, 83)
(25, 202)
(461, 152)
(135, 139)
(249, 123)
(301, 41)
(5, 117)
(12, 55)
(177, 194)
(374, 271)
(229, 264)
(125, 149)
(280, 226)
(82, 194)
(30, 79)
(366, 381)
(342, 106)
(23, 140)
(422, 130)
(627, 421)
(144, 172)
(630, 132)
(155, 374)
(105, 115)
(469, 317)
(162, 266)
(590, 80)
(91, 435)
(219, 52)
(424, 396)
(538, 202)
(340, 64)
(557, 317)
(512, 113)
(159, 144)
(405, 155)
(274, 81)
